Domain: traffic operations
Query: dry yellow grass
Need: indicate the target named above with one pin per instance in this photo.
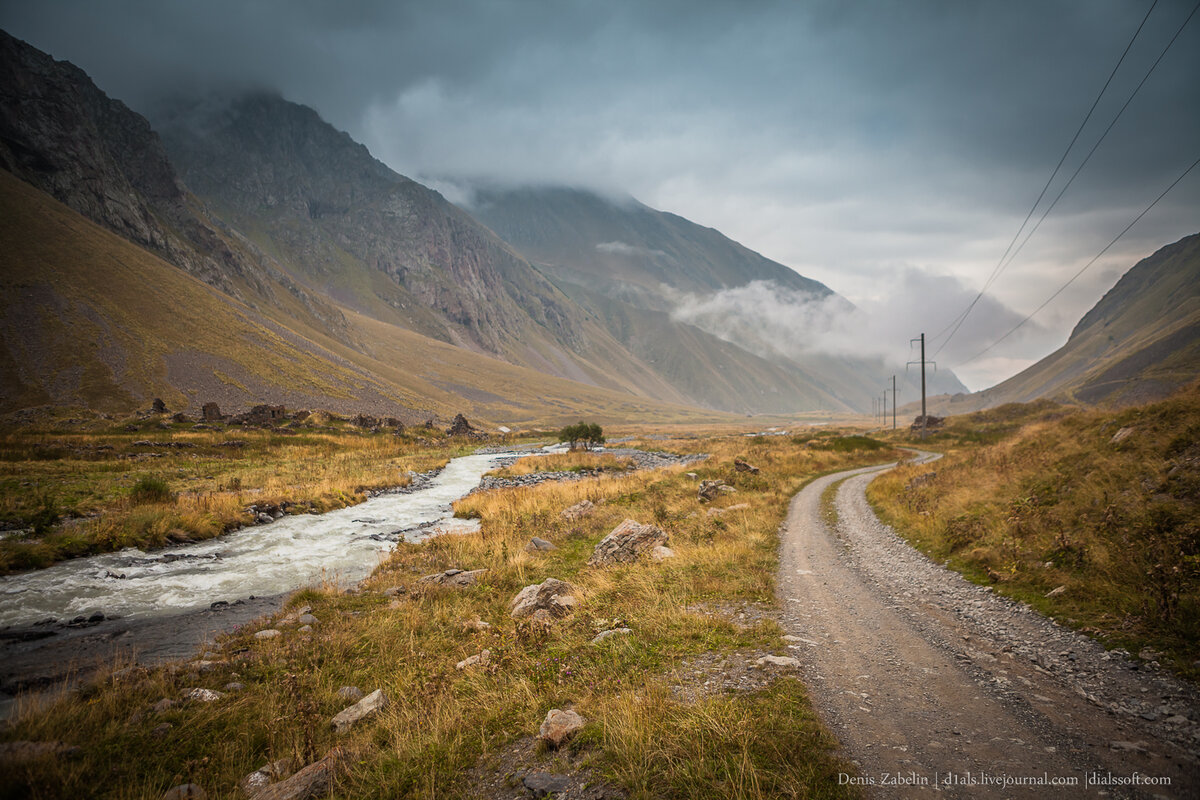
(443, 721)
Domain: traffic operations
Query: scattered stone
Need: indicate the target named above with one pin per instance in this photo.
(547, 596)
(160, 730)
(263, 776)
(269, 633)
(600, 637)
(392, 591)
(480, 660)
(305, 629)
(351, 693)
(708, 490)
(626, 542)
(1129, 747)
(454, 577)
(202, 695)
(476, 625)
(922, 479)
(314, 781)
(1055, 592)
(662, 552)
(372, 704)
(542, 784)
(536, 544)
(741, 465)
(578, 511)
(559, 726)
(307, 619)
(187, 791)
(162, 706)
(158, 406)
(21, 751)
(691, 475)
(234, 686)
(778, 661)
(1121, 435)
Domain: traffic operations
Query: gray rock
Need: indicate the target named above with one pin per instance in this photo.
(600, 637)
(778, 661)
(480, 660)
(202, 695)
(264, 775)
(352, 693)
(537, 543)
(542, 784)
(545, 596)
(454, 577)
(310, 783)
(307, 619)
(370, 705)
(708, 490)
(20, 751)
(187, 791)
(559, 726)
(269, 633)
(578, 511)
(626, 543)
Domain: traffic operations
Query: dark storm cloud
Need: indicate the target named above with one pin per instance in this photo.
(855, 142)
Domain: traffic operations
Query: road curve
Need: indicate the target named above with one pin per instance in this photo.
(937, 687)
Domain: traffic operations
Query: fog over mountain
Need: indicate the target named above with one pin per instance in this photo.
(890, 152)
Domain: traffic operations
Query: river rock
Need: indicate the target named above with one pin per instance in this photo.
(626, 542)
(559, 726)
(480, 660)
(187, 791)
(549, 596)
(310, 783)
(538, 544)
(370, 705)
(454, 577)
(578, 511)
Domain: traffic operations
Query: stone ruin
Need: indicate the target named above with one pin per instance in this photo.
(211, 412)
(460, 427)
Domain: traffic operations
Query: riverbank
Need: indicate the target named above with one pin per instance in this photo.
(676, 666)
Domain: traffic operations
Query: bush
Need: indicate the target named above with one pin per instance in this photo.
(587, 434)
(150, 490)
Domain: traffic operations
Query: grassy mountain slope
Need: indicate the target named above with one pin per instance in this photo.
(1138, 343)
(89, 319)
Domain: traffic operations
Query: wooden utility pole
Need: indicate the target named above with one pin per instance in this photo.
(893, 403)
(922, 362)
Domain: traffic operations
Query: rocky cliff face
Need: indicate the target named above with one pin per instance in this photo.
(62, 134)
(342, 220)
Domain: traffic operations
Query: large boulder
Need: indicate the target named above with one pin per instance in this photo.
(551, 596)
(627, 542)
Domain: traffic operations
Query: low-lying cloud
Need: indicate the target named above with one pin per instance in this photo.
(770, 320)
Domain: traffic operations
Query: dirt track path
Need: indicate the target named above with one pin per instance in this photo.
(946, 688)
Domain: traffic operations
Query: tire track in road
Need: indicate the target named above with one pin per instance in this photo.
(935, 682)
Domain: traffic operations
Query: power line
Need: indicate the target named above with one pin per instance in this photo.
(1085, 266)
(957, 323)
(1102, 136)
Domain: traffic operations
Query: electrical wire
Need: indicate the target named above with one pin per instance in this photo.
(1085, 266)
(961, 318)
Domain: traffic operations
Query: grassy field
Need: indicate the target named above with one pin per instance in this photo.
(446, 726)
(72, 489)
(1092, 517)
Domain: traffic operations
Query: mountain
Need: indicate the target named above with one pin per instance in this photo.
(1136, 345)
(634, 267)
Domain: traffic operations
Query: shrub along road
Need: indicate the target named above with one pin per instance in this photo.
(924, 676)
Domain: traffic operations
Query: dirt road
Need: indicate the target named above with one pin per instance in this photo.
(938, 688)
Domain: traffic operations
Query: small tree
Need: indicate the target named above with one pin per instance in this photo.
(586, 434)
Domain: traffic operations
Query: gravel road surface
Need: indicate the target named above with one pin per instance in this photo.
(939, 688)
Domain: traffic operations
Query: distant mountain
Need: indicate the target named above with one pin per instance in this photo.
(633, 266)
(1136, 345)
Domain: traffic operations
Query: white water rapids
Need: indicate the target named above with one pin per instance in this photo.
(282, 556)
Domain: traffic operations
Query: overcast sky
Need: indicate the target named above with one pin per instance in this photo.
(888, 149)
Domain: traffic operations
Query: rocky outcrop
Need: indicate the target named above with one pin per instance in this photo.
(313, 782)
(627, 542)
